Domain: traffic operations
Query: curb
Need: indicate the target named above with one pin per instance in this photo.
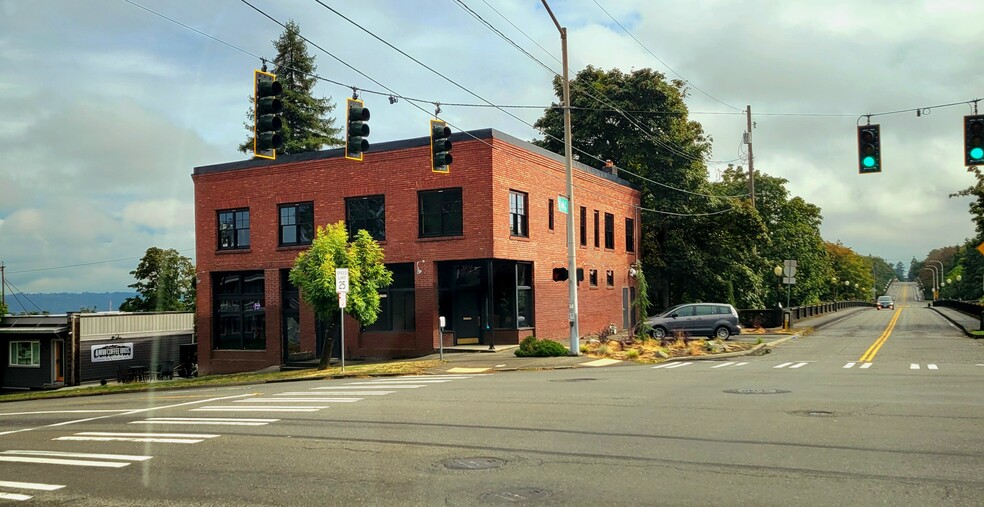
(954, 322)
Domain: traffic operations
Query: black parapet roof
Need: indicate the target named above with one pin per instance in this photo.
(402, 145)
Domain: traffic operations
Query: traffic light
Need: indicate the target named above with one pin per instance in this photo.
(559, 274)
(869, 149)
(974, 139)
(441, 148)
(356, 129)
(266, 115)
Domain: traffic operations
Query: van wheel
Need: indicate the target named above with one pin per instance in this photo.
(722, 333)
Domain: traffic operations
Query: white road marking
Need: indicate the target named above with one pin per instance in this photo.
(64, 412)
(62, 458)
(865, 366)
(206, 421)
(850, 365)
(30, 485)
(933, 367)
(418, 383)
(799, 365)
(729, 363)
(258, 409)
(913, 366)
(312, 399)
(17, 497)
(147, 438)
(337, 393)
(670, 365)
(783, 365)
(445, 376)
(388, 386)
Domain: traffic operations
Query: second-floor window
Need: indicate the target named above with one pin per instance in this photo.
(367, 213)
(597, 229)
(609, 231)
(629, 235)
(550, 214)
(296, 224)
(234, 229)
(518, 225)
(439, 212)
(584, 226)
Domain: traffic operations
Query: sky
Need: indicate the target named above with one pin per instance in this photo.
(107, 108)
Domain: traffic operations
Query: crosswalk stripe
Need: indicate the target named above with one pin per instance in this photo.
(377, 386)
(259, 409)
(454, 377)
(395, 384)
(64, 461)
(913, 366)
(206, 421)
(336, 393)
(933, 367)
(17, 497)
(865, 366)
(149, 438)
(65, 458)
(849, 365)
(799, 365)
(61, 454)
(729, 363)
(312, 399)
(783, 365)
(30, 485)
(405, 381)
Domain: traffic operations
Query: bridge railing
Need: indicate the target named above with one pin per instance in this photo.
(773, 317)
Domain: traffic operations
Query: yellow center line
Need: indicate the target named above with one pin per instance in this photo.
(873, 349)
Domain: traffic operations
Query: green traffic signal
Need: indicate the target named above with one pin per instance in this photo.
(869, 149)
(356, 129)
(974, 139)
(267, 122)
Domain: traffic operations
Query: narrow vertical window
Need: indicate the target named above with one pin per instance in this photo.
(584, 226)
(629, 235)
(596, 229)
(609, 231)
(550, 214)
(517, 214)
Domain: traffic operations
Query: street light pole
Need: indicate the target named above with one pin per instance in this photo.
(569, 173)
(940, 271)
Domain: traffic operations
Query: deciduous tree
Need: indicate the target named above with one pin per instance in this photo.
(165, 283)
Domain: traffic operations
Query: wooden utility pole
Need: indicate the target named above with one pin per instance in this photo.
(751, 158)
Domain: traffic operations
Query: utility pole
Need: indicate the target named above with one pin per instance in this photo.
(568, 163)
(751, 158)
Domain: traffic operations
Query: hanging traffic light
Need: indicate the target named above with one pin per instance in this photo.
(440, 147)
(974, 140)
(356, 129)
(266, 115)
(869, 149)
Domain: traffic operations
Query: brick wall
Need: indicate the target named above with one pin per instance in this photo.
(398, 174)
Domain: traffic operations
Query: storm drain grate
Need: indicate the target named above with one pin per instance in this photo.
(474, 463)
(516, 495)
(756, 391)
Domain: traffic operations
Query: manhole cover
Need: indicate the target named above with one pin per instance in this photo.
(515, 495)
(756, 391)
(813, 413)
(473, 463)
(574, 380)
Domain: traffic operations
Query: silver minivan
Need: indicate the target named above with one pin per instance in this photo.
(717, 320)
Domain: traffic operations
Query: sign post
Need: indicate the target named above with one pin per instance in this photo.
(789, 269)
(342, 288)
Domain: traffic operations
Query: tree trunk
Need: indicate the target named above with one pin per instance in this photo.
(326, 353)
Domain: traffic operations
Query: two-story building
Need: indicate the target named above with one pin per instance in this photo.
(476, 245)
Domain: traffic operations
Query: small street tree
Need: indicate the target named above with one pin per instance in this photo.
(314, 274)
(307, 121)
(3, 308)
(165, 283)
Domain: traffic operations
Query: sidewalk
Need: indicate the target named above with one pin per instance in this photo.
(964, 322)
(504, 358)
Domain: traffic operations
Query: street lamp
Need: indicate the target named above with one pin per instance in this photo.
(835, 280)
(939, 272)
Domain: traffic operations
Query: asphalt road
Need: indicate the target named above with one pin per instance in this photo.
(883, 407)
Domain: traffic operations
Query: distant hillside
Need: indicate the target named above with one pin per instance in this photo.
(62, 302)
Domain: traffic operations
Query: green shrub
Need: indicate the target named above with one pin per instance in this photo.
(632, 354)
(531, 347)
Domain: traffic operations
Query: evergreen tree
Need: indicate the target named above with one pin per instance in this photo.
(165, 283)
(308, 124)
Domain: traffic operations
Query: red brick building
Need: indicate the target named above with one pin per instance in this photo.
(477, 245)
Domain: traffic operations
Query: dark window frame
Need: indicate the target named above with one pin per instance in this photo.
(242, 307)
(584, 226)
(373, 219)
(629, 234)
(14, 357)
(231, 237)
(609, 231)
(403, 293)
(450, 213)
(518, 217)
(550, 214)
(301, 218)
(597, 228)
(592, 277)
(610, 278)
